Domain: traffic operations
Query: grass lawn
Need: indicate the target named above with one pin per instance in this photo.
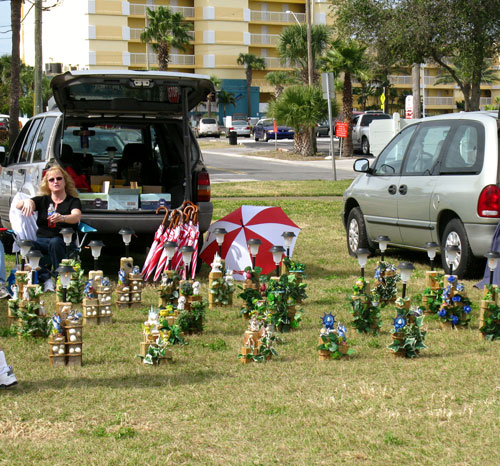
(207, 408)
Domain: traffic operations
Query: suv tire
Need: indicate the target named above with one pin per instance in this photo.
(356, 231)
(455, 234)
(365, 146)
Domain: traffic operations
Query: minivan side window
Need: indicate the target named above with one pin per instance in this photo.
(42, 141)
(466, 150)
(425, 148)
(390, 159)
(25, 155)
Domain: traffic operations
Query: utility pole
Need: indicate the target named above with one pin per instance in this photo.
(309, 43)
(38, 101)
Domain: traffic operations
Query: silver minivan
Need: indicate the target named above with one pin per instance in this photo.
(118, 124)
(437, 180)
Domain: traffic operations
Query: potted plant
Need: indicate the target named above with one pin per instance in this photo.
(365, 308)
(332, 343)
(455, 307)
(407, 334)
(221, 292)
(249, 296)
(387, 278)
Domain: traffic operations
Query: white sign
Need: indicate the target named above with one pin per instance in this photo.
(409, 107)
(330, 85)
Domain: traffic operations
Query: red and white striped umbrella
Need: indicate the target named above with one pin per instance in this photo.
(173, 232)
(258, 222)
(157, 246)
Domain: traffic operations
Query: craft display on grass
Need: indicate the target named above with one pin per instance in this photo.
(407, 335)
(75, 289)
(258, 341)
(386, 282)
(66, 338)
(364, 305)
(154, 347)
(191, 308)
(25, 310)
(283, 296)
(252, 290)
(169, 288)
(455, 309)
(332, 343)
(365, 308)
(129, 286)
(220, 285)
(489, 317)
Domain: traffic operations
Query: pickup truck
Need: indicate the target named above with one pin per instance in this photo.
(361, 130)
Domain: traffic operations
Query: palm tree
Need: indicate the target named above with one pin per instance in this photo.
(251, 62)
(301, 107)
(217, 82)
(464, 73)
(280, 79)
(292, 47)
(225, 98)
(347, 57)
(15, 87)
(165, 29)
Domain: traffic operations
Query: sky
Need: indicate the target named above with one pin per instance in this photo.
(5, 39)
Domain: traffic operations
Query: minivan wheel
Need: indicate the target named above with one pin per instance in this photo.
(365, 146)
(454, 235)
(356, 231)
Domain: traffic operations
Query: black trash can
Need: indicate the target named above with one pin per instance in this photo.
(233, 138)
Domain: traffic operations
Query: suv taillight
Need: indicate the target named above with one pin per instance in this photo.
(203, 192)
(488, 204)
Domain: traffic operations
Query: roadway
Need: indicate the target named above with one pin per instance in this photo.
(236, 163)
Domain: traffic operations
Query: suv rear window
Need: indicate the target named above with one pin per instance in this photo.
(208, 121)
(367, 119)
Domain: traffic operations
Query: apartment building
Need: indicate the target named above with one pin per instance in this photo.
(105, 34)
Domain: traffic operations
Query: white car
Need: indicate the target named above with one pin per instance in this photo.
(240, 127)
(208, 127)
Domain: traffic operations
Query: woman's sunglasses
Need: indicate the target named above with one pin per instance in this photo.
(57, 178)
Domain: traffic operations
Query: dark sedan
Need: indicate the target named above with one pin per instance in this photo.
(264, 130)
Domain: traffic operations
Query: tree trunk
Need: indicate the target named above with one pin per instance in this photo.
(347, 104)
(163, 57)
(415, 82)
(209, 105)
(466, 93)
(15, 87)
(302, 143)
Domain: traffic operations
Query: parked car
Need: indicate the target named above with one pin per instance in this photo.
(240, 127)
(264, 130)
(97, 105)
(361, 130)
(208, 127)
(4, 122)
(323, 128)
(437, 180)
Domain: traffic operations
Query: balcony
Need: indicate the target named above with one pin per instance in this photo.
(138, 9)
(401, 80)
(276, 17)
(135, 34)
(443, 101)
(485, 101)
(139, 59)
(264, 39)
(275, 62)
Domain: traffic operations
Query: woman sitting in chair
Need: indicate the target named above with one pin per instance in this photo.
(58, 207)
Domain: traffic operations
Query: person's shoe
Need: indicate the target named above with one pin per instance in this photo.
(8, 379)
(49, 285)
(4, 292)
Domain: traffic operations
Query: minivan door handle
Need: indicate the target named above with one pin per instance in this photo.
(403, 189)
(392, 189)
